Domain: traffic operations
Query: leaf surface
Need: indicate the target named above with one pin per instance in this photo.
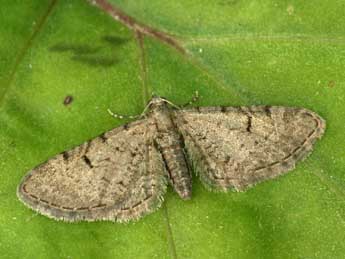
(234, 53)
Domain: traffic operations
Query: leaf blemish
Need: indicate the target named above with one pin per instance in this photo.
(114, 40)
(68, 100)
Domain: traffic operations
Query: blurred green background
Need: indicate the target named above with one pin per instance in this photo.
(248, 52)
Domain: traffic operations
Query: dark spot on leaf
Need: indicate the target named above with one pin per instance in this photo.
(68, 100)
(114, 40)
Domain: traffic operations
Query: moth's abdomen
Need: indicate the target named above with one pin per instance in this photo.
(170, 145)
(171, 148)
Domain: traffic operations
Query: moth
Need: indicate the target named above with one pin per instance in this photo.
(123, 174)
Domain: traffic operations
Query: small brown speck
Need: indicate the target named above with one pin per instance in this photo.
(68, 100)
(331, 83)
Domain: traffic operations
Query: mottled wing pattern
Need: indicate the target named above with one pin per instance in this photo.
(237, 147)
(118, 176)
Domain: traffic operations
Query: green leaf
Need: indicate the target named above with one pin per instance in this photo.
(289, 53)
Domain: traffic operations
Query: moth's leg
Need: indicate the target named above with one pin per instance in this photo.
(194, 99)
(118, 116)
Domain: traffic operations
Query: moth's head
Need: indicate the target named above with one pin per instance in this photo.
(157, 101)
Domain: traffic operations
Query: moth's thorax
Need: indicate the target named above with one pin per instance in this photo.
(157, 102)
(162, 115)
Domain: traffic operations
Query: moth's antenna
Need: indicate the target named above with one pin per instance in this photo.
(174, 105)
(118, 116)
(145, 109)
